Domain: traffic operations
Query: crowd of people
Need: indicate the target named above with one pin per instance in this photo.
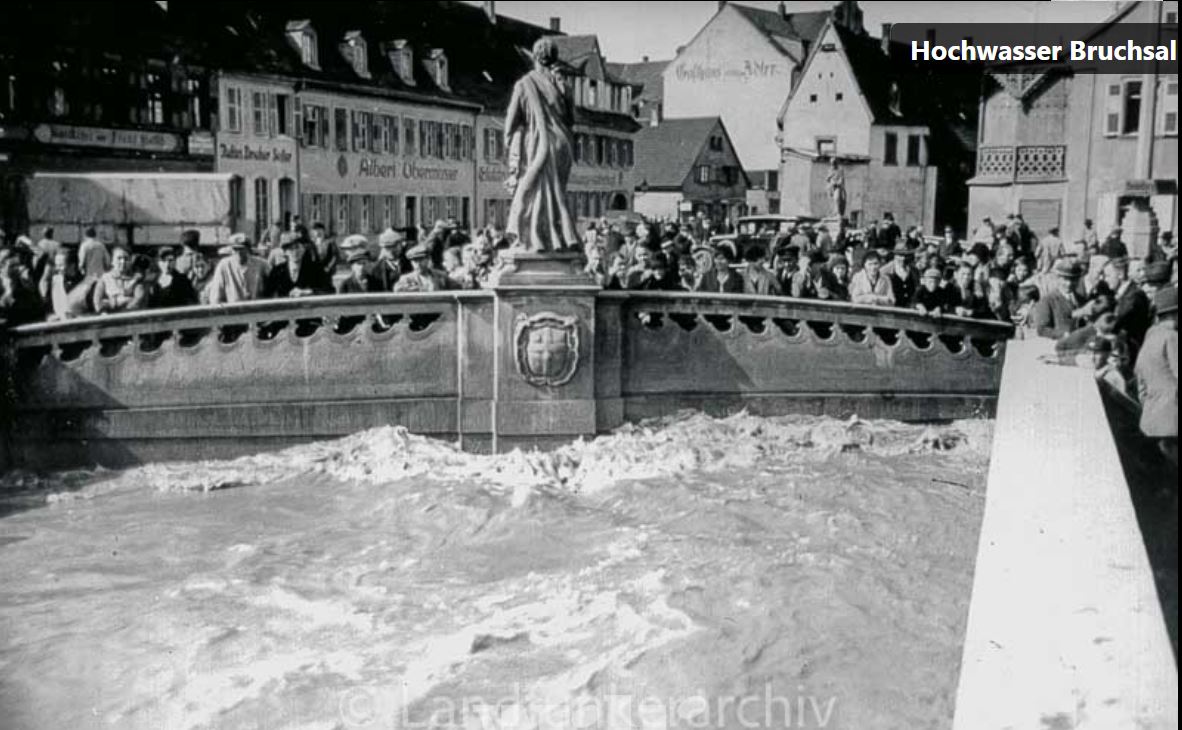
(1089, 295)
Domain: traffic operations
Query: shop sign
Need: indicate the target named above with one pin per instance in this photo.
(134, 139)
(259, 153)
(201, 144)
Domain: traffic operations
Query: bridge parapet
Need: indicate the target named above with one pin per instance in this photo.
(518, 365)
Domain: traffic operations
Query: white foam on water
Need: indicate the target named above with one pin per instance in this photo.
(687, 442)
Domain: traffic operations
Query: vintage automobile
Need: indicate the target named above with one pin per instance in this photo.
(762, 231)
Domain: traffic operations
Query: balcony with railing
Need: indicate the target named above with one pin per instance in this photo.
(1025, 163)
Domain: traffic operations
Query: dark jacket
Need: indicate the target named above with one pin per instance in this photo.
(934, 300)
(970, 300)
(1133, 316)
(1051, 316)
(278, 282)
(367, 285)
(179, 293)
(386, 272)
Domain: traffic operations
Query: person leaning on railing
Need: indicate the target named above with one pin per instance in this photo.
(870, 286)
(238, 276)
(170, 289)
(425, 277)
(122, 289)
(299, 275)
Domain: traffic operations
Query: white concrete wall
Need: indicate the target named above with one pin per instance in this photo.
(1064, 628)
(731, 70)
(847, 119)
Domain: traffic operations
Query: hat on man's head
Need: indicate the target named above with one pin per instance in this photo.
(354, 241)
(287, 239)
(902, 250)
(1166, 300)
(390, 237)
(418, 251)
(239, 240)
(1067, 269)
(356, 255)
(190, 238)
(163, 251)
(1157, 272)
(702, 247)
(932, 273)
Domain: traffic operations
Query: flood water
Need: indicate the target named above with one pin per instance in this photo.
(702, 573)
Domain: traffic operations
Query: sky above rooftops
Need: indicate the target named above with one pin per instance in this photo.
(629, 30)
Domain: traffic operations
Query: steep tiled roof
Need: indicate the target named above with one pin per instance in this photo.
(250, 35)
(649, 75)
(666, 153)
(790, 27)
(878, 75)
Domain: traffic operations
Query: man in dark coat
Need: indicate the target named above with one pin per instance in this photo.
(1053, 316)
(299, 276)
(1132, 305)
(391, 264)
(359, 280)
(903, 275)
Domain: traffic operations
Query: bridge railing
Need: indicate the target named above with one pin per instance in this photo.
(457, 364)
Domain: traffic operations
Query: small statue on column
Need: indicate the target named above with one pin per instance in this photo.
(835, 182)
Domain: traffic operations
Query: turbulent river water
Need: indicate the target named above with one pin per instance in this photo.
(694, 572)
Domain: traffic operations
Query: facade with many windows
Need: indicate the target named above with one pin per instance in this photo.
(368, 163)
(77, 94)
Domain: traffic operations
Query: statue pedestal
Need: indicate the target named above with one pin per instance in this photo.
(551, 268)
(545, 379)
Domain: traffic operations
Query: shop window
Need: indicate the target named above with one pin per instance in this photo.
(342, 215)
(316, 213)
(262, 205)
(366, 213)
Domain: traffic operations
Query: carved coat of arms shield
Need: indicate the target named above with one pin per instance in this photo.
(547, 348)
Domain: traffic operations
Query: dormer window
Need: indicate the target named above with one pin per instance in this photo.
(402, 60)
(438, 65)
(304, 38)
(355, 52)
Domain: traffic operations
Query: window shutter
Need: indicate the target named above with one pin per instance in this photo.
(1112, 110)
(1167, 115)
(322, 114)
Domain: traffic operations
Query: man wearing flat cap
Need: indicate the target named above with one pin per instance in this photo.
(391, 265)
(299, 275)
(425, 277)
(1157, 375)
(359, 281)
(238, 277)
(1052, 315)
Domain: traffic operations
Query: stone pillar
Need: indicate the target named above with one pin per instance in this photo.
(544, 363)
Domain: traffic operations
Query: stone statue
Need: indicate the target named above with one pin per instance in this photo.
(538, 127)
(835, 181)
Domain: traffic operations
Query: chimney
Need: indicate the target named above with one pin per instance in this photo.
(721, 4)
(886, 38)
(556, 25)
(490, 9)
(644, 59)
(783, 10)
